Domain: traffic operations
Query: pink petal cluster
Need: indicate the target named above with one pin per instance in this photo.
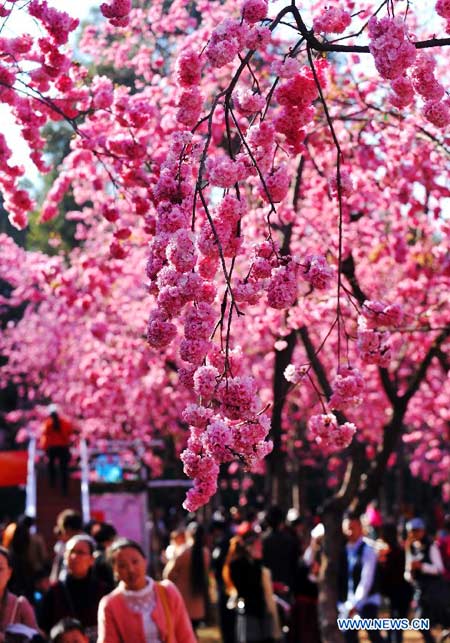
(58, 23)
(196, 415)
(248, 103)
(117, 12)
(250, 442)
(344, 182)
(204, 470)
(330, 435)
(181, 250)
(261, 140)
(218, 441)
(332, 20)
(296, 95)
(380, 315)
(282, 288)
(393, 52)
(403, 92)
(254, 10)
(373, 346)
(277, 184)
(258, 37)
(443, 8)
(317, 272)
(424, 80)
(190, 107)
(348, 388)
(206, 379)
(295, 374)
(199, 321)
(188, 68)
(238, 397)
(437, 113)
(222, 171)
(160, 331)
(194, 350)
(227, 39)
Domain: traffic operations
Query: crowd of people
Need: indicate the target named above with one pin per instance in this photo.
(255, 576)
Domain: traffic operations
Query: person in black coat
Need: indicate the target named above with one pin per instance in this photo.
(393, 585)
(78, 595)
(280, 549)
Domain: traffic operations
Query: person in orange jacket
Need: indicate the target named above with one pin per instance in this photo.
(55, 440)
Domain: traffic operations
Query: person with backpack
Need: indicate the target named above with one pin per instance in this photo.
(358, 590)
(140, 609)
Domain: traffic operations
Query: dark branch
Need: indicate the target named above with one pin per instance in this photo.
(317, 45)
(434, 351)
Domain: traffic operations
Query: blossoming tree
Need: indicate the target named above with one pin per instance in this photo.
(283, 173)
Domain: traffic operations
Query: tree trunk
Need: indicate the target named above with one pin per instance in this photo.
(279, 480)
(328, 582)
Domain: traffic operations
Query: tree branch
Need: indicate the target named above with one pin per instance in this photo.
(317, 45)
(434, 351)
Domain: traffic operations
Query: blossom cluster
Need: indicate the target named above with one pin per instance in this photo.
(348, 388)
(330, 435)
(117, 12)
(181, 280)
(395, 57)
(443, 10)
(332, 20)
(295, 95)
(375, 324)
(48, 71)
(390, 46)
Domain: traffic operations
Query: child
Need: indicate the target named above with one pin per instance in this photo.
(68, 630)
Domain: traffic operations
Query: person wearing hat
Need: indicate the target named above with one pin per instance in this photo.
(55, 441)
(423, 568)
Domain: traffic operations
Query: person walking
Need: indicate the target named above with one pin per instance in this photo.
(189, 571)
(55, 440)
(357, 584)
(249, 585)
(424, 569)
(69, 523)
(393, 585)
(280, 548)
(140, 610)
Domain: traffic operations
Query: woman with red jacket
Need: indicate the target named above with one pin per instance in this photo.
(140, 610)
(55, 440)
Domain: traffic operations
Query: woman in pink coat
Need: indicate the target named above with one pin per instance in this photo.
(140, 610)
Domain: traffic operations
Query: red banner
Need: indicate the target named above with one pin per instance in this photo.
(13, 468)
